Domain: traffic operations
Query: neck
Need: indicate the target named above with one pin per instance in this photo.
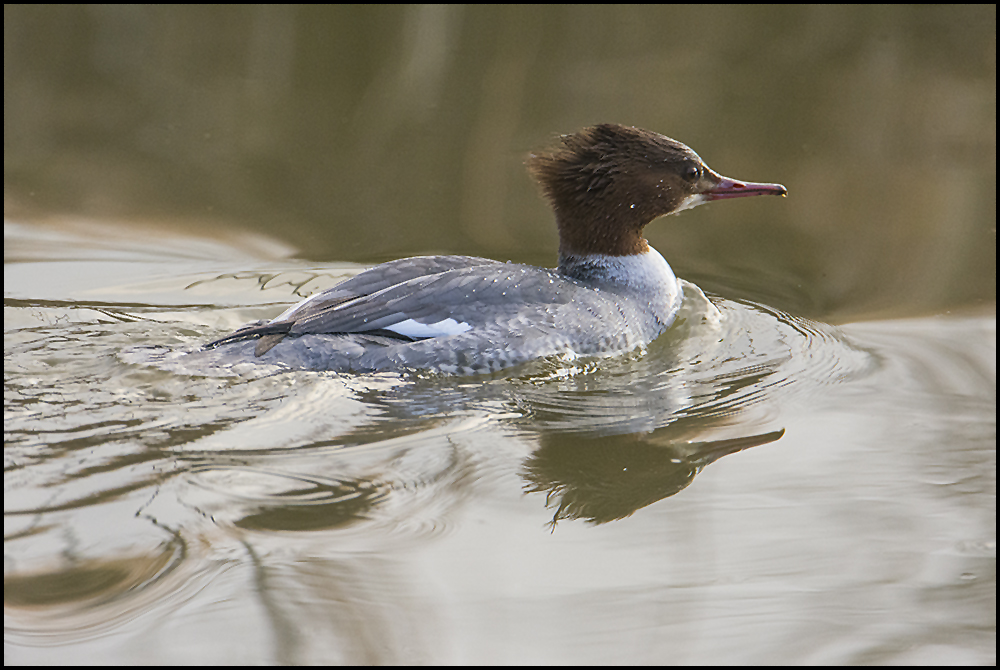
(604, 235)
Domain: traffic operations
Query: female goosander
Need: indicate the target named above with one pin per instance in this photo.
(611, 293)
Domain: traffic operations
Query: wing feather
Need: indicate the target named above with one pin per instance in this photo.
(471, 291)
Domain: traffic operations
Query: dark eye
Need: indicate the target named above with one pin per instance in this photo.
(691, 172)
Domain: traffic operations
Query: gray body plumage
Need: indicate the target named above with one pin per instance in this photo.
(507, 314)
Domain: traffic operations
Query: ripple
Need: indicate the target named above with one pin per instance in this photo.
(722, 359)
(90, 598)
(404, 485)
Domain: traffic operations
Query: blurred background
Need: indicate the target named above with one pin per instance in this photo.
(363, 133)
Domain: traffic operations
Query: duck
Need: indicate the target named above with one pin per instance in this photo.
(611, 293)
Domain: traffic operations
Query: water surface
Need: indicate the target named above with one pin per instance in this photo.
(725, 496)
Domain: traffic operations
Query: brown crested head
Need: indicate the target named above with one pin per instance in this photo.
(607, 182)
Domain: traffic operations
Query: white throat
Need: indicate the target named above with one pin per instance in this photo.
(647, 271)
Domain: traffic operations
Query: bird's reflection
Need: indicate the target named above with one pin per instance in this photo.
(605, 478)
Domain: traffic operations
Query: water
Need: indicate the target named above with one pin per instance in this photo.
(753, 488)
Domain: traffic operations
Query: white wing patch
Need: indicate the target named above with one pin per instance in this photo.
(417, 330)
